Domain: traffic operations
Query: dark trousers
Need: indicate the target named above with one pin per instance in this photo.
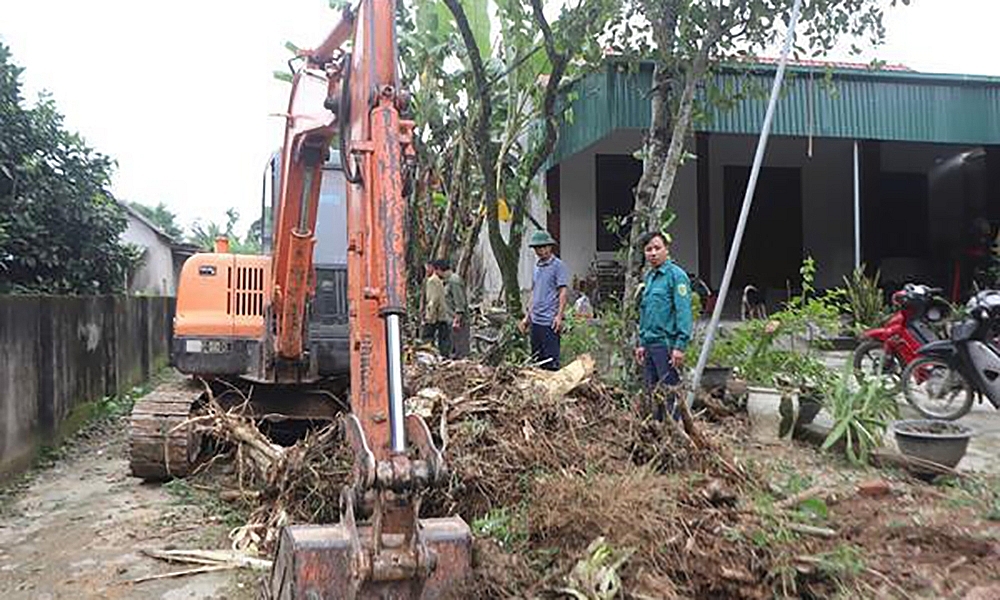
(439, 334)
(545, 346)
(461, 339)
(659, 373)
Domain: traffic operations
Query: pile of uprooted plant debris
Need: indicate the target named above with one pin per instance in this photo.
(566, 489)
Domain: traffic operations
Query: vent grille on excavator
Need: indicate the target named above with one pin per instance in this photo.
(246, 291)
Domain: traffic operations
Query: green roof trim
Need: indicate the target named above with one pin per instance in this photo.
(888, 105)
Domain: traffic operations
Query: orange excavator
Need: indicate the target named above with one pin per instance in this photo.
(249, 319)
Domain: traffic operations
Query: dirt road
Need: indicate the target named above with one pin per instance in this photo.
(75, 530)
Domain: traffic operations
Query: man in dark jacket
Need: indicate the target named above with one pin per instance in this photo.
(664, 321)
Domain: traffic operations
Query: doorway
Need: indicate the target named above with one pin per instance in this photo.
(772, 242)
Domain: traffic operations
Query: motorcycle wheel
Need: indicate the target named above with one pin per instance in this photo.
(936, 390)
(870, 359)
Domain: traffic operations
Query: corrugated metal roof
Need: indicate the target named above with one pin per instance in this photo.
(840, 103)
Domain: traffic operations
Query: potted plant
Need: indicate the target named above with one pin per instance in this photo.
(861, 414)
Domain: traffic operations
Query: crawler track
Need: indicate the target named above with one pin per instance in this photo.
(163, 443)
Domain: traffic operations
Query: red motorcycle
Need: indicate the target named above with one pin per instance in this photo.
(888, 349)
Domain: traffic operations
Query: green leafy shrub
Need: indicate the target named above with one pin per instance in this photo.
(861, 412)
(775, 351)
(864, 301)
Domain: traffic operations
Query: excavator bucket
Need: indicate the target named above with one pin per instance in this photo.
(323, 562)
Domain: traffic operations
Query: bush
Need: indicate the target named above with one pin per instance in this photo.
(59, 224)
(766, 351)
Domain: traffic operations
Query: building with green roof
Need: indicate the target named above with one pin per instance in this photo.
(891, 168)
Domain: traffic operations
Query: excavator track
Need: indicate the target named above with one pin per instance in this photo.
(163, 442)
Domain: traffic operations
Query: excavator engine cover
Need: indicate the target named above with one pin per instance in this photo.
(319, 562)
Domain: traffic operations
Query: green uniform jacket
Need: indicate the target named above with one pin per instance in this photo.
(454, 291)
(665, 310)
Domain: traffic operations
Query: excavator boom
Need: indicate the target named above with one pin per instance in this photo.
(397, 555)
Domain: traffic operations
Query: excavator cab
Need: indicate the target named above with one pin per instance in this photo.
(327, 321)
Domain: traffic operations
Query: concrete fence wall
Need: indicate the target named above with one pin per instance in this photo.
(58, 352)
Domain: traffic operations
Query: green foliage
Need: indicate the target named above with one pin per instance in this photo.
(512, 93)
(609, 338)
(59, 224)
(205, 234)
(595, 576)
(842, 564)
(504, 525)
(978, 491)
(861, 413)
(775, 351)
(863, 300)
(579, 336)
(162, 217)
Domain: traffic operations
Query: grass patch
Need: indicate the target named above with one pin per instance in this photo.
(980, 493)
(504, 525)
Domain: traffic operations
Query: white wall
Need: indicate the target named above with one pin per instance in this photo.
(827, 197)
(827, 192)
(578, 205)
(156, 273)
(485, 269)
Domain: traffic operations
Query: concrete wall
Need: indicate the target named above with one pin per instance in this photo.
(59, 352)
(578, 205)
(156, 274)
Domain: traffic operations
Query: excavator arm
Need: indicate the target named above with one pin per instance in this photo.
(309, 131)
(396, 555)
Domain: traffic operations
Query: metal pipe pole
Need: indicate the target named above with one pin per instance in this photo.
(758, 159)
(857, 209)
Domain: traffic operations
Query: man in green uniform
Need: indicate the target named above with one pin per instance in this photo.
(664, 322)
(455, 298)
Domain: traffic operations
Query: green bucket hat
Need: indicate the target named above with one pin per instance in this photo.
(541, 238)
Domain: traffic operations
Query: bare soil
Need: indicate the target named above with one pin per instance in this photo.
(912, 539)
(74, 529)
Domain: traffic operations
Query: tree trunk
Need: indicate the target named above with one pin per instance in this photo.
(676, 150)
(469, 244)
(446, 228)
(654, 157)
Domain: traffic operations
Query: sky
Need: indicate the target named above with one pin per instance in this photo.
(182, 94)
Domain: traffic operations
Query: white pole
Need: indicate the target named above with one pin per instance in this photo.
(758, 159)
(857, 209)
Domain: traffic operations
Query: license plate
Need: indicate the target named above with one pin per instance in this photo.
(216, 347)
(207, 346)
